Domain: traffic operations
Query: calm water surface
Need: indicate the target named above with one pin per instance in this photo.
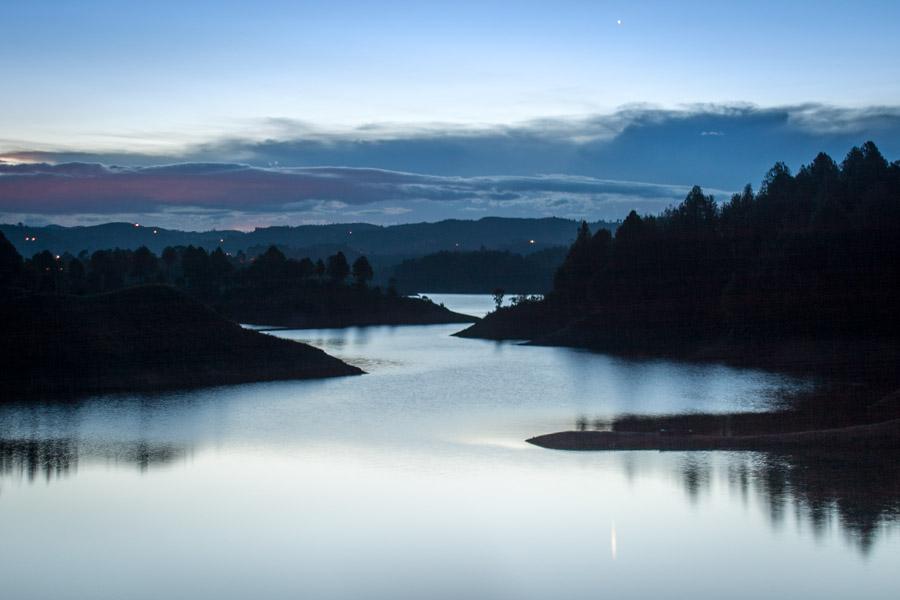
(414, 482)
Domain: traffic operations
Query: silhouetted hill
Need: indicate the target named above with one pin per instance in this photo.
(804, 272)
(480, 272)
(141, 338)
(300, 305)
(397, 241)
(269, 289)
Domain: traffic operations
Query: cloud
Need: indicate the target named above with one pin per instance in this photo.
(323, 193)
(598, 166)
(636, 143)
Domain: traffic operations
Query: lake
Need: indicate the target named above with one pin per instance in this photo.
(414, 481)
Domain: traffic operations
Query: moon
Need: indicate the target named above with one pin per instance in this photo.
(619, 22)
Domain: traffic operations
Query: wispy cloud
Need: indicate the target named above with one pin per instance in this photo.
(321, 194)
(597, 166)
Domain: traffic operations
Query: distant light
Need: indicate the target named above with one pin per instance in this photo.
(530, 241)
(57, 257)
(155, 232)
(137, 224)
(221, 240)
(350, 232)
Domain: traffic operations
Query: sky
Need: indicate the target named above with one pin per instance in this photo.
(663, 94)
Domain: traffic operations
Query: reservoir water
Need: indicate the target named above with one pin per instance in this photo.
(414, 481)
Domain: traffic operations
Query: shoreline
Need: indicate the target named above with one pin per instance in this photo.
(874, 436)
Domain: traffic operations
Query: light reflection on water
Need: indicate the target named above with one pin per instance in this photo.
(414, 481)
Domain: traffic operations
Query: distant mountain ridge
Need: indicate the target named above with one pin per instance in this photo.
(523, 236)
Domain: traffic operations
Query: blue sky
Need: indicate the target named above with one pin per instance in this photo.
(149, 82)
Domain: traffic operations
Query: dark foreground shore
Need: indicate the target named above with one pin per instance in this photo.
(373, 309)
(876, 436)
(139, 339)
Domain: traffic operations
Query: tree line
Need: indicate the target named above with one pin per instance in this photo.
(480, 271)
(816, 253)
(187, 267)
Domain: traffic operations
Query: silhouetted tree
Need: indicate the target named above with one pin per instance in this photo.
(306, 267)
(362, 271)
(75, 274)
(811, 255)
(195, 266)
(338, 269)
(169, 257)
(46, 271)
(498, 295)
(144, 265)
(10, 263)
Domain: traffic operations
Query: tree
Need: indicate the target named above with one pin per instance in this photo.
(498, 297)
(143, 264)
(306, 267)
(362, 271)
(195, 264)
(338, 268)
(320, 269)
(169, 256)
(10, 263)
(45, 267)
(75, 270)
(219, 265)
(696, 213)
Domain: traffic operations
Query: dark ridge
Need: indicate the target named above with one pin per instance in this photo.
(801, 275)
(878, 436)
(142, 338)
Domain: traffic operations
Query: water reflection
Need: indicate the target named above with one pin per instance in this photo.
(860, 493)
(56, 458)
(415, 479)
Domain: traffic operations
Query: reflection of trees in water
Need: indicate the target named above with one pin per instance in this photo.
(53, 458)
(30, 458)
(862, 492)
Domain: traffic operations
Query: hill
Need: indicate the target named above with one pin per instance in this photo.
(383, 245)
(480, 272)
(802, 274)
(142, 338)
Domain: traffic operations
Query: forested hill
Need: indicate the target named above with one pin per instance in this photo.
(317, 241)
(813, 255)
(480, 272)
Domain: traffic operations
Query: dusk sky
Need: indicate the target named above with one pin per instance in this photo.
(434, 109)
